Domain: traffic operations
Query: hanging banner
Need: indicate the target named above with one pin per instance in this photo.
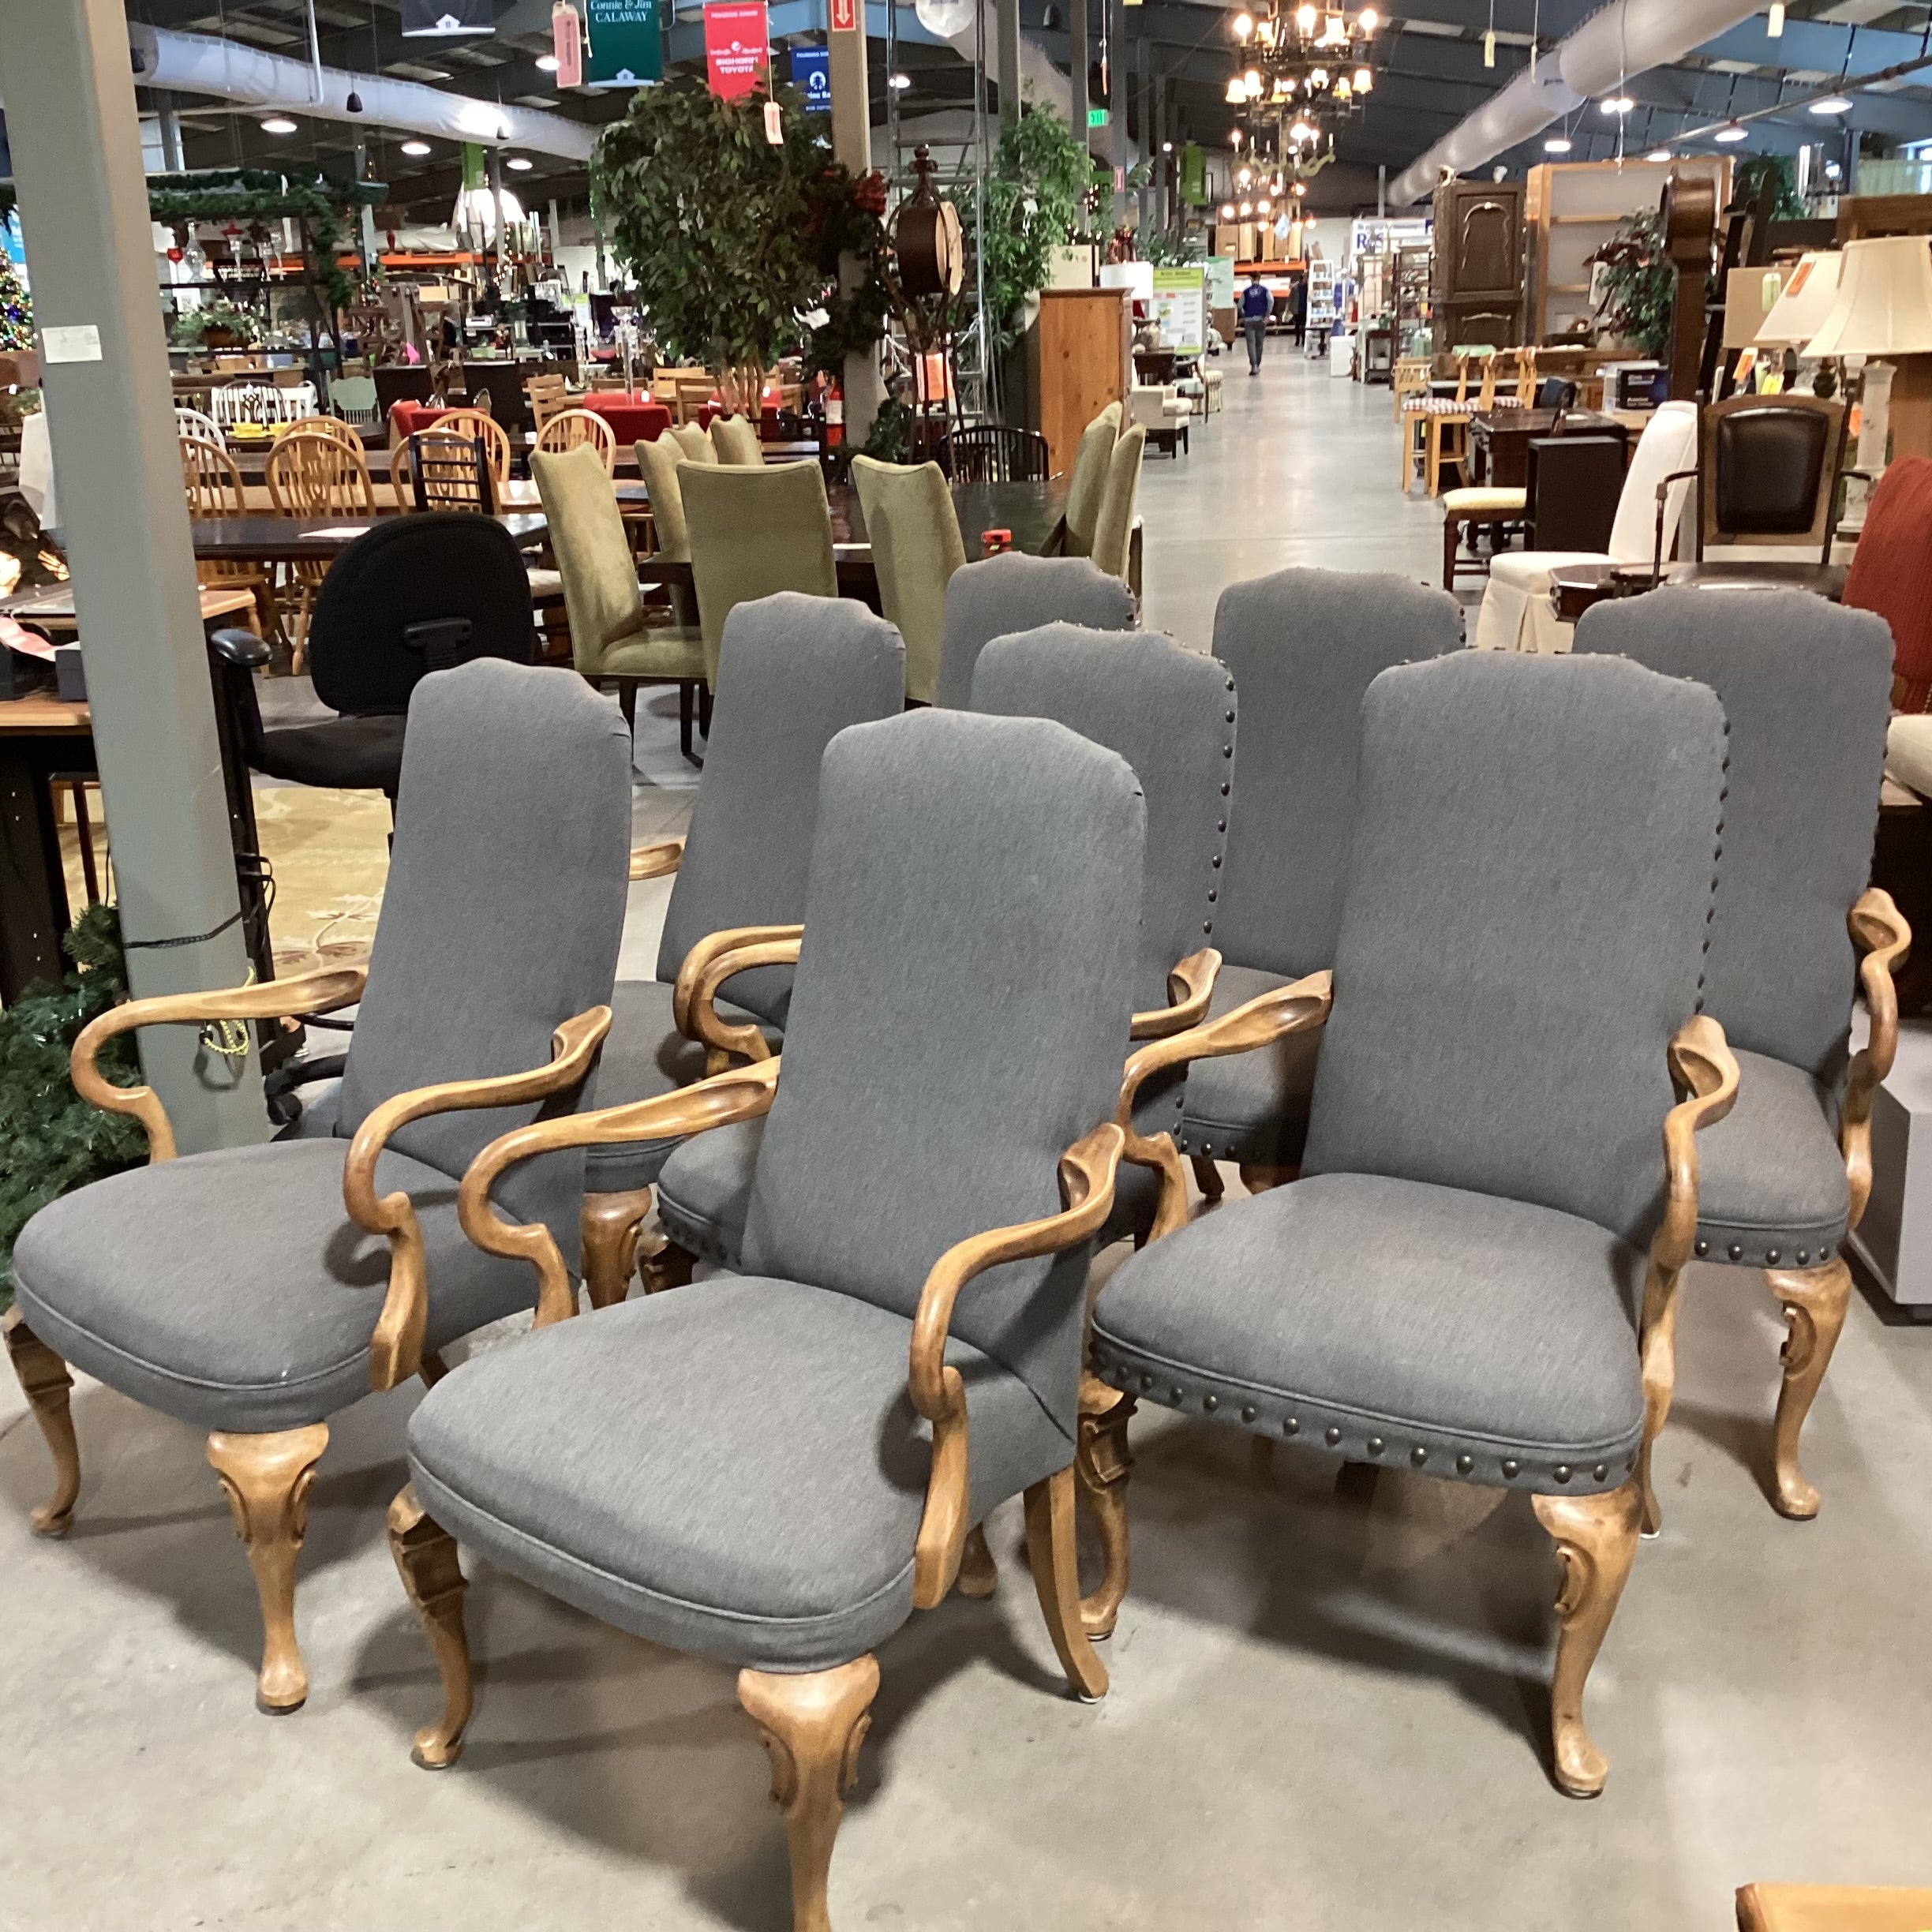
(811, 74)
(737, 47)
(425, 20)
(1193, 175)
(566, 44)
(624, 45)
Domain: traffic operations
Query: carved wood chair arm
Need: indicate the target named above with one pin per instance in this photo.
(1086, 1172)
(395, 1349)
(1190, 986)
(1706, 1078)
(1268, 1017)
(275, 999)
(743, 1093)
(657, 860)
(713, 961)
(1882, 937)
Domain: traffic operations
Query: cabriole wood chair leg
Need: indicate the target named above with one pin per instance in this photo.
(979, 1574)
(611, 1224)
(812, 1726)
(1104, 1463)
(267, 1480)
(1053, 1555)
(1207, 1178)
(1596, 1538)
(46, 1383)
(670, 1267)
(426, 1560)
(1814, 1301)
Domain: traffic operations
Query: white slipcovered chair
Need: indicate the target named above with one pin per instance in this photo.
(1517, 614)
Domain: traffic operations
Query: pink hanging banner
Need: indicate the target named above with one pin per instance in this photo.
(737, 47)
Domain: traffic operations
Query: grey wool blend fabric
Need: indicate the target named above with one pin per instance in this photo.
(1015, 592)
(1807, 685)
(231, 1288)
(736, 1468)
(1453, 1280)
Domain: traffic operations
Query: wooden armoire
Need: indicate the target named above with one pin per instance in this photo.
(1478, 287)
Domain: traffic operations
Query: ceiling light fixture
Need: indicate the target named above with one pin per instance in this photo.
(1243, 26)
(1368, 20)
(1774, 26)
(1831, 104)
(1166, 146)
(279, 123)
(1557, 143)
(519, 164)
(1832, 170)
(1732, 132)
(1618, 104)
(546, 63)
(1659, 154)
(416, 148)
(901, 81)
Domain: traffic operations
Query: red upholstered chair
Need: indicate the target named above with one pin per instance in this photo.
(1891, 574)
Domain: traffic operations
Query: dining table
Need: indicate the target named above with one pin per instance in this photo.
(316, 540)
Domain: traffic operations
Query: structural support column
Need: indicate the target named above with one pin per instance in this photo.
(1008, 62)
(1117, 106)
(1076, 66)
(69, 92)
(851, 144)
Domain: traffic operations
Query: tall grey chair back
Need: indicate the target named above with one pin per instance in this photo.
(1303, 646)
(1169, 713)
(1555, 1091)
(923, 1068)
(799, 670)
(521, 929)
(1784, 1177)
(1003, 595)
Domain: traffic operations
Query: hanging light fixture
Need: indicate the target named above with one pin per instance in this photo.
(1618, 104)
(1243, 26)
(1774, 23)
(1557, 143)
(1732, 132)
(1831, 104)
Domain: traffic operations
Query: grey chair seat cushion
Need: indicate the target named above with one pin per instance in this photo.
(1252, 1106)
(733, 1468)
(1771, 1179)
(232, 1290)
(1380, 1317)
(645, 1056)
(704, 1194)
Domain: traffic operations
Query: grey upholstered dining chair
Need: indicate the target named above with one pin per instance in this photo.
(1457, 1283)
(256, 1291)
(794, 671)
(1001, 596)
(957, 1028)
(1807, 687)
(1171, 714)
(1303, 645)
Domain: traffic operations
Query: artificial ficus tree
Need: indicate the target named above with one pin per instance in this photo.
(732, 238)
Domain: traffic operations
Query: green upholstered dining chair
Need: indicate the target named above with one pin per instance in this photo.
(692, 443)
(956, 1026)
(256, 1292)
(798, 670)
(916, 545)
(1113, 543)
(736, 440)
(1458, 1284)
(610, 638)
(1087, 484)
(1000, 596)
(1806, 688)
(1169, 712)
(657, 461)
(1303, 645)
(754, 532)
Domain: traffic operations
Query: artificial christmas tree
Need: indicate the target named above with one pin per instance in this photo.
(16, 309)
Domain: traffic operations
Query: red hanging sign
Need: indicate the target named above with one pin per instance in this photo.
(566, 41)
(737, 47)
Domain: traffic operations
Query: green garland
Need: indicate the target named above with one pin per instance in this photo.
(51, 1141)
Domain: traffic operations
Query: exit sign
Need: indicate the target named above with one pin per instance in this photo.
(1096, 116)
(845, 16)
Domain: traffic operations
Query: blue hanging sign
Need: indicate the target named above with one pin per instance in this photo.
(811, 74)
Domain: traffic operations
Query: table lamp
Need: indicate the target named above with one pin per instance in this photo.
(1884, 310)
(1810, 293)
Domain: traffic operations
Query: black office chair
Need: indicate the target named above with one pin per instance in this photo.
(992, 454)
(415, 595)
(1556, 392)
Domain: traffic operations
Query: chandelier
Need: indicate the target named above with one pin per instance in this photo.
(1306, 68)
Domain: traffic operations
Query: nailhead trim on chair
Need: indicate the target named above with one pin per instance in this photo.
(1441, 1454)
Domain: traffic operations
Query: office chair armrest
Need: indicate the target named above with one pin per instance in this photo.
(713, 961)
(1190, 986)
(1663, 497)
(395, 1349)
(657, 860)
(1086, 1172)
(1883, 938)
(242, 649)
(745, 1093)
(275, 999)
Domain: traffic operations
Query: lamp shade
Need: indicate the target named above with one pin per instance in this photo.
(1810, 293)
(1885, 300)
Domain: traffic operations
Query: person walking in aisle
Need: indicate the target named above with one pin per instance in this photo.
(1257, 305)
(1301, 310)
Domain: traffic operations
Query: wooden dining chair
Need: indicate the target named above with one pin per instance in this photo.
(443, 469)
(212, 482)
(315, 473)
(548, 394)
(327, 426)
(565, 429)
(480, 423)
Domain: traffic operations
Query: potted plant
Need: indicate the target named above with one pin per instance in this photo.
(217, 324)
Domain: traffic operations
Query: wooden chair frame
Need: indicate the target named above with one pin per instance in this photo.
(1596, 1535)
(813, 1723)
(565, 429)
(266, 1477)
(212, 481)
(316, 473)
